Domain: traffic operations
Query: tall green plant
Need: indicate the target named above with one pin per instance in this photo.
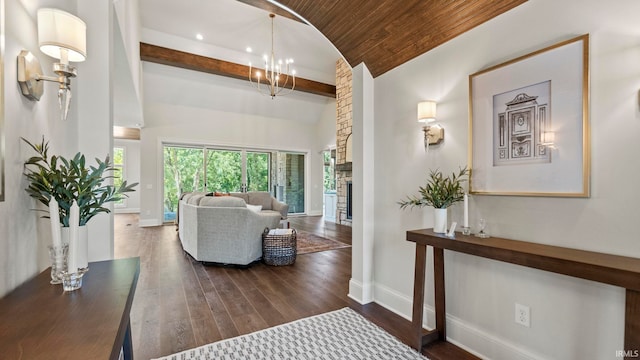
(440, 192)
(68, 180)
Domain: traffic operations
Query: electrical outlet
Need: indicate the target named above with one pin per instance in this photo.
(523, 315)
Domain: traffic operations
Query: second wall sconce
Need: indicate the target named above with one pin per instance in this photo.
(62, 36)
(433, 133)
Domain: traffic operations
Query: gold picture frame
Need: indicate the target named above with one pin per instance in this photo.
(529, 124)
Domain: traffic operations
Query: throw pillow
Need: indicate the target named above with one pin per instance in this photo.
(254, 208)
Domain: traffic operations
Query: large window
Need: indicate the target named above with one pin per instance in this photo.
(294, 191)
(224, 170)
(290, 181)
(183, 172)
(189, 169)
(257, 171)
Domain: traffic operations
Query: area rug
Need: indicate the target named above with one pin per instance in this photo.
(337, 335)
(309, 243)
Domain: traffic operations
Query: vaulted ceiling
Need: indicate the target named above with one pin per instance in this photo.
(387, 33)
(381, 33)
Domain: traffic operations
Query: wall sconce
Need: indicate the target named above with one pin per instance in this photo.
(433, 133)
(62, 36)
(547, 139)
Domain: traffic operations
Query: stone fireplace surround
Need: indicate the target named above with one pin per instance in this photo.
(343, 138)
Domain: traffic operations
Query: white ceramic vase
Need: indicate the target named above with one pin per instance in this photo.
(440, 221)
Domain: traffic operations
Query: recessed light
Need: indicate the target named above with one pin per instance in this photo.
(249, 49)
(199, 36)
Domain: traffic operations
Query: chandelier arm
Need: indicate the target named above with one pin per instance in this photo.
(273, 71)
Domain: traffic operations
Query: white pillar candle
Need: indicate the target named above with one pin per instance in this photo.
(54, 216)
(74, 222)
(83, 251)
(466, 210)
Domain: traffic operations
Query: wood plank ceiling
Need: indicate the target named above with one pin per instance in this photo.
(387, 33)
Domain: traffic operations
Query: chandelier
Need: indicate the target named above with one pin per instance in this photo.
(276, 73)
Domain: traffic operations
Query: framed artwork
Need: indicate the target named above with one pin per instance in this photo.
(529, 124)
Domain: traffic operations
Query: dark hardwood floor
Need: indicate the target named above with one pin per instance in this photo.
(180, 304)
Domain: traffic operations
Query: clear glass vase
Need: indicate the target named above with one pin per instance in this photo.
(58, 257)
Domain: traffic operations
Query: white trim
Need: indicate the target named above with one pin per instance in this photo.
(397, 303)
(126, 210)
(228, 146)
(315, 213)
(486, 346)
(149, 222)
(362, 293)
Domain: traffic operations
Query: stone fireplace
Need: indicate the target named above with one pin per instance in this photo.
(343, 141)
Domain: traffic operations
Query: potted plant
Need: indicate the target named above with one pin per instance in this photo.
(68, 180)
(440, 192)
(79, 192)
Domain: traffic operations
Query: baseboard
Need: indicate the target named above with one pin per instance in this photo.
(360, 292)
(315, 213)
(459, 333)
(126, 211)
(149, 222)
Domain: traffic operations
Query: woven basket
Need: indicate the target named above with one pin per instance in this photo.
(279, 249)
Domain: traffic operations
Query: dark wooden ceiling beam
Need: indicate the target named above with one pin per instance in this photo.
(185, 60)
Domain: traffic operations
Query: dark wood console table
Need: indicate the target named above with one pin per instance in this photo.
(604, 268)
(40, 321)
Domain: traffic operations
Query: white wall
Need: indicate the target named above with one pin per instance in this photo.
(183, 106)
(94, 98)
(131, 174)
(570, 318)
(23, 235)
(325, 138)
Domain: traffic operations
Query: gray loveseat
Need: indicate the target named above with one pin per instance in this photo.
(222, 229)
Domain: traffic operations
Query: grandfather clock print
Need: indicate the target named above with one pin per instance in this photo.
(521, 120)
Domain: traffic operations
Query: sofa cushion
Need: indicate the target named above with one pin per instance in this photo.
(260, 198)
(254, 208)
(270, 212)
(189, 195)
(242, 196)
(222, 201)
(195, 199)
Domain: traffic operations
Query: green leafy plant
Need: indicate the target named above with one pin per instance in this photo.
(68, 180)
(440, 192)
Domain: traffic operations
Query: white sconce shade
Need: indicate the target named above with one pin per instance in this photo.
(426, 111)
(58, 31)
(62, 36)
(433, 133)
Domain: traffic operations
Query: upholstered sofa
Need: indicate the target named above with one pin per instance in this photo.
(222, 229)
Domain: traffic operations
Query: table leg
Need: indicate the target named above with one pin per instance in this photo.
(127, 345)
(418, 295)
(439, 294)
(632, 324)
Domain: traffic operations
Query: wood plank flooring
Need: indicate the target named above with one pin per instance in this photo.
(181, 304)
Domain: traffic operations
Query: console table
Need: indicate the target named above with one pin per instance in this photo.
(604, 268)
(40, 321)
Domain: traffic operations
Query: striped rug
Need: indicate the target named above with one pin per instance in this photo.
(338, 335)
